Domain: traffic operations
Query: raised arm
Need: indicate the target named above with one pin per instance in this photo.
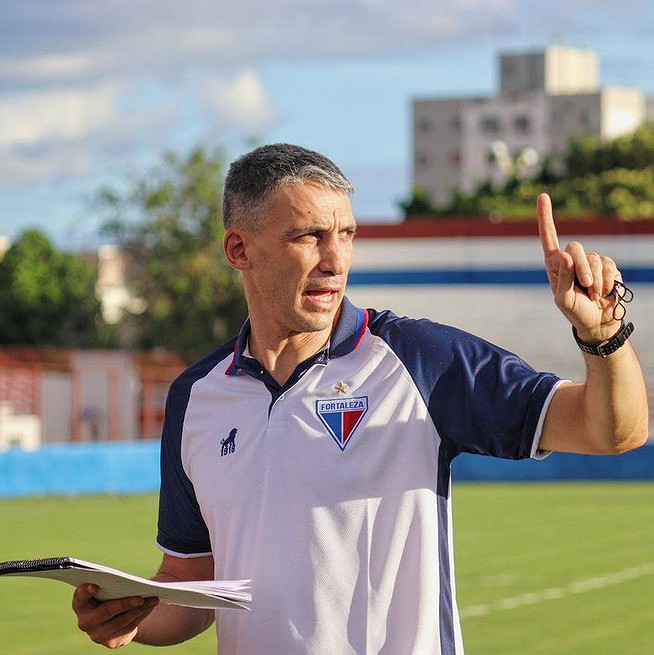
(608, 413)
(118, 622)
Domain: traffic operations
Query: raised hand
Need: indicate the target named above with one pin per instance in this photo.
(582, 282)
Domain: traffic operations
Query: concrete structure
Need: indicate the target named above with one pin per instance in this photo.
(18, 431)
(51, 396)
(545, 98)
(556, 71)
(481, 276)
(115, 272)
(5, 244)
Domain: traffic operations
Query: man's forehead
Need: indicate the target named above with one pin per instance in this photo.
(310, 200)
(308, 190)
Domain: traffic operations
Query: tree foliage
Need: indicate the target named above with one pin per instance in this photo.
(169, 225)
(589, 155)
(47, 298)
(419, 204)
(605, 178)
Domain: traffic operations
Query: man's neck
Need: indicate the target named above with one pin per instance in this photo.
(281, 356)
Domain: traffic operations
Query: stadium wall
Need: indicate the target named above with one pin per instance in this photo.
(489, 279)
(485, 278)
(130, 468)
(126, 467)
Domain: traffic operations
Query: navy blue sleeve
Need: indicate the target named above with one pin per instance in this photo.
(181, 526)
(482, 398)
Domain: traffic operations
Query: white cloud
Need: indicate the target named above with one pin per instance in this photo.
(80, 42)
(37, 68)
(166, 38)
(31, 117)
(240, 104)
(62, 133)
(22, 168)
(88, 87)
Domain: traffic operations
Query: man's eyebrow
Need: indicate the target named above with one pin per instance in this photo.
(313, 228)
(305, 229)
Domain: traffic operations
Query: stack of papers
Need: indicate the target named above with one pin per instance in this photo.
(207, 594)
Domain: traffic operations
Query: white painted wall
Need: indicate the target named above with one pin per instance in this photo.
(18, 431)
(522, 319)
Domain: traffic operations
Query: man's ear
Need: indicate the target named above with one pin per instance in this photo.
(234, 245)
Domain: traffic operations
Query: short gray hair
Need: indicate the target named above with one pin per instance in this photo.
(258, 173)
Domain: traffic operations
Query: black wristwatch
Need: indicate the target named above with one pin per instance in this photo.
(609, 346)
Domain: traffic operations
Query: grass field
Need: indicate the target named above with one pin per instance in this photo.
(565, 569)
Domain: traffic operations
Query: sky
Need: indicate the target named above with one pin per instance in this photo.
(92, 93)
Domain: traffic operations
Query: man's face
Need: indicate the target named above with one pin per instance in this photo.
(299, 260)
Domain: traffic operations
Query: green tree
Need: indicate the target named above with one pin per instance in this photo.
(47, 298)
(419, 204)
(590, 155)
(169, 225)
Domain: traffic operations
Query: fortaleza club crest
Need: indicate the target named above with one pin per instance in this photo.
(342, 417)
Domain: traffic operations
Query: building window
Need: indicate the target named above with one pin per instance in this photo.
(455, 158)
(490, 124)
(455, 123)
(425, 124)
(522, 124)
(557, 117)
(585, 118)
(423, 161)
(535, 74)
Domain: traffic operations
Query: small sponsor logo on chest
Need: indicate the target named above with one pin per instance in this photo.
(228, 444)
(342, 416)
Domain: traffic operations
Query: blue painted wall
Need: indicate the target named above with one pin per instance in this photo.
(125, 467)
(634, 465)
(133, 467)
(473, 276)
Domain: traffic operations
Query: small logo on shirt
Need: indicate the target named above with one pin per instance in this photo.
(342, 416)
(341, 387)
(228, 444)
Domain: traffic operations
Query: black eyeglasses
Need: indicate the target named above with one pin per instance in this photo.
(623, 295)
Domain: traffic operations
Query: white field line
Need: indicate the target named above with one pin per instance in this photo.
(554, 593)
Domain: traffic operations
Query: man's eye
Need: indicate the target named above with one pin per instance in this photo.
(309, 236)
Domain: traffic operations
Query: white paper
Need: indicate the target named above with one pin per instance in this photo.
(207, 594)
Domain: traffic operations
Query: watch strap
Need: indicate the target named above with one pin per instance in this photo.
(608, 346)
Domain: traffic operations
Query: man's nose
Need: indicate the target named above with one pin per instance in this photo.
(334, 255)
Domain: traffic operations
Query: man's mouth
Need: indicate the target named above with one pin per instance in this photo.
(322, 295)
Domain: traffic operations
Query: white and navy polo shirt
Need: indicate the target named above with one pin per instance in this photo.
(333, 492)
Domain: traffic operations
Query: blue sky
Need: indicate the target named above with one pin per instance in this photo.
(91, 93)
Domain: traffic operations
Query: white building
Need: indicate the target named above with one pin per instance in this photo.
(50, 395)
(5, 244)
(22, 431)
(115, 270)
(545, 98)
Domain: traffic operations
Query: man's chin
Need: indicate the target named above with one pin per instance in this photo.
(317, 321)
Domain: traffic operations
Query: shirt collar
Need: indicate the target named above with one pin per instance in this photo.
(350, 328)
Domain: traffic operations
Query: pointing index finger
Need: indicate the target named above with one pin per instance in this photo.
(546, 228)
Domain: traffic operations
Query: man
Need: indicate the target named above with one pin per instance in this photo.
(312, 452)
